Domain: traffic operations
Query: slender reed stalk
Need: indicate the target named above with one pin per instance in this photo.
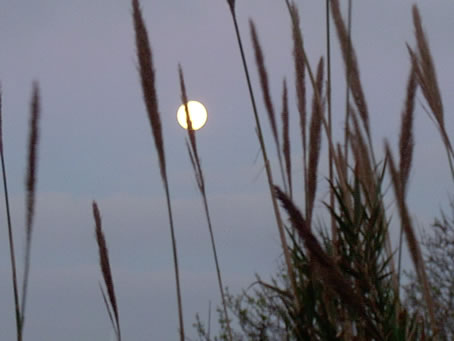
(330, 127)
(196, 165)
(104, 263)
(269, 174)
(30, 185)
(147, 76)
(10, 231)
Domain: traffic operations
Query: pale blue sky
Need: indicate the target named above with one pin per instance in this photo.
(96, 144)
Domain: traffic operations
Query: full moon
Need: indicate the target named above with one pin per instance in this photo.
(197, 114)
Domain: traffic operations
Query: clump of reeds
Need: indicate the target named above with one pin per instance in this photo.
(110, 300)
(147, 77)
(344, 286)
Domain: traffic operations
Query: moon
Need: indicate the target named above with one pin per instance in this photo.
(197, 114)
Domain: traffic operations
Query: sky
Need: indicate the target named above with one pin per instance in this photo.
(96, 144)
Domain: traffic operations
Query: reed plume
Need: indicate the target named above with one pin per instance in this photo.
(263, 75)
(314, 144)
(351, 63)
(12, 253)
(299, 63)
(406, 139)
(196, 165)
(30, 187)
(427, 80)
(286, 138)
(147, 77)
(104, 263)
(406, 145)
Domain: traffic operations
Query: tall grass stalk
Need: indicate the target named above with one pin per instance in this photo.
(147, 76)
(269, 174)
(198, 172)
(30, 186)
(10, 231)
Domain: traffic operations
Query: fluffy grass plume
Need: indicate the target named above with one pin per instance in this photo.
(264, 83)
(104, 263)
(286, 137)
(314, 143)
(351, 63)
(406, 139)
(427, 80)
(30, 188)
(300, 81)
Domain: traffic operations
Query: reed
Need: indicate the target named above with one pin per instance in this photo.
(147, 77)
(197, 168)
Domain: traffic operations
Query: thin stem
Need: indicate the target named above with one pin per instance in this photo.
(218, 270)
(175, 259)
(330, 135)
(10, 232)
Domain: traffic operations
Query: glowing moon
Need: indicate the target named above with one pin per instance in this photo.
(197, 114)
